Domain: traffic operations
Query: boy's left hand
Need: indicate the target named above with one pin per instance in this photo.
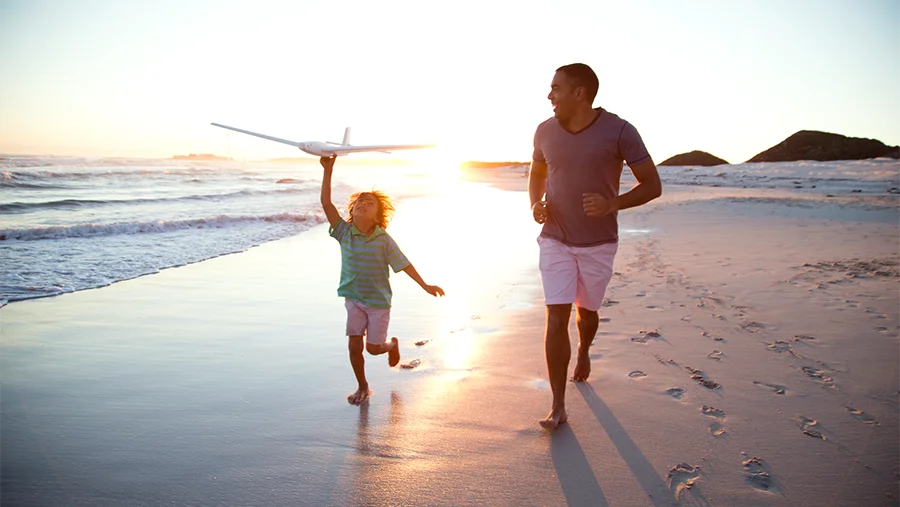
(328, 162)
(434, 290)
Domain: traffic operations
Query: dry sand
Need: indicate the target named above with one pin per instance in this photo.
(748, 356)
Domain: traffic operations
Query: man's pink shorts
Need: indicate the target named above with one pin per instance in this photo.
(366, 321)
(572, 274)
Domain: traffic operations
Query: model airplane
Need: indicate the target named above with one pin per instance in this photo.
(327, 149)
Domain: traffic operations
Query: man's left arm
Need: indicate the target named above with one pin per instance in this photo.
(648, 187)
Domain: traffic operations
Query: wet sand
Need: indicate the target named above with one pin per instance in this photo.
(748, 356)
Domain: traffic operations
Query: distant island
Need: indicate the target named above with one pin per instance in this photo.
(824, 146)
(695, 157)
(802, 145)
(199, 156)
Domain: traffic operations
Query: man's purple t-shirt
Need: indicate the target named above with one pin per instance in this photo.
(588, 161)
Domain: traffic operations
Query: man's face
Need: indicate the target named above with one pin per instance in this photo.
(366, 207)
(563, 96)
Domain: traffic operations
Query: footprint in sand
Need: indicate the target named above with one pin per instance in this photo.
(411, 364)
(710, 335)
(645, 335)
(665, 361)
(421, 342)
(859, 415)
(675, 392)
(777, 389)
(716, 428)
(654, 307)
(752, 327)
(802, 337)
(701, 378)
(605, 319)
(608, 302)
(759, 474)
(783, 346)
(682, 477)
(715, 355)
(637, 374)
(818, 375)
(808, 427)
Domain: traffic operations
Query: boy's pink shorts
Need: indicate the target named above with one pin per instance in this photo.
(366, 321)
(572, 274)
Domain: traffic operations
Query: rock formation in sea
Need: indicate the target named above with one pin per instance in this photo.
(824, 146)
(695, 157)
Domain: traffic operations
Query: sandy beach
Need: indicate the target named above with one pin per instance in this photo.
(748, 355)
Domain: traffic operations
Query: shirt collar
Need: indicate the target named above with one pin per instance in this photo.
(377, 232)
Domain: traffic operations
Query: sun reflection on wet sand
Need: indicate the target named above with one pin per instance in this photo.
(473, 240)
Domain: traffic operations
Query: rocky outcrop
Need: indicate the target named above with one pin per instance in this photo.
(695, 157)
(824, 146)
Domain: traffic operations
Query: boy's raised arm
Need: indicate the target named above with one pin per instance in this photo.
(331, 211)
(434, 290)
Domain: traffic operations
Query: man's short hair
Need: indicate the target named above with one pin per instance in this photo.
(582, 75)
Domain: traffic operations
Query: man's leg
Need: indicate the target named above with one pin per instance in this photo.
(558, 351)
(587, 322)
(358, 362)
(595, 269)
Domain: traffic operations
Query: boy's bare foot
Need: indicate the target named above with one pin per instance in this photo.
(359, 396)
(554, 419)
(582, 368)
(394, 353)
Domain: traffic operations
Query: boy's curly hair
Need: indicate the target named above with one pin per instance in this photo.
(385, 206)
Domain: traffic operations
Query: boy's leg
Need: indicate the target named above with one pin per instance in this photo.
(356, 330)
(358, 362)
(376, 335)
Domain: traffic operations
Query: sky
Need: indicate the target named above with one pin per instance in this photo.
(108, 78)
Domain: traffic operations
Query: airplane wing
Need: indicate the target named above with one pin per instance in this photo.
(270, 138)
(384, 148)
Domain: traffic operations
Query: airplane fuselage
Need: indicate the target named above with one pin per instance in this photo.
(316, 148)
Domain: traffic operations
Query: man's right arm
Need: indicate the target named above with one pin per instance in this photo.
(331, 211)
(537, 187)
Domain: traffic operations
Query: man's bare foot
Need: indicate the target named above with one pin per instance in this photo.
(582, 368)
(554, 419)
(394, 353)
(359, 396)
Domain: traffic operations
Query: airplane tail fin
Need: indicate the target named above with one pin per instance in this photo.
(346, 141)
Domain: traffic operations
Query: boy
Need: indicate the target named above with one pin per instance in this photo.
(366, 252)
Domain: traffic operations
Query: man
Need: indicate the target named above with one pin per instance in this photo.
(573, 185)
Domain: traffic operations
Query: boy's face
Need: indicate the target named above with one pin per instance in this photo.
(366, 207)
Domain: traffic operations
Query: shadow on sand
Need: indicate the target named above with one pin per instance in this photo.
(576, 478)
(653, 485)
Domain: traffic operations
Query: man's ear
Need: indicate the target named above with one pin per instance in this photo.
(580, 92)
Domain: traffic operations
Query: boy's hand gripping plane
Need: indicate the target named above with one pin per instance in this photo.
(328, 149)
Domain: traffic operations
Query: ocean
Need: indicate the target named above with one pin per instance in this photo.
(70, 224)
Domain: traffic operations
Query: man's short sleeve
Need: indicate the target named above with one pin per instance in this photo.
(339, 230)
(631, 146)
(395, 257)
(538, 155)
